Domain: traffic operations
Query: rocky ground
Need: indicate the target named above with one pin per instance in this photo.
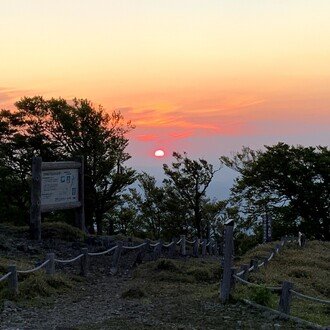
(147, 298)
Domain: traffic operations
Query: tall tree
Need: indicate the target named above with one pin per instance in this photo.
(291, 182)
(190, 179)
(56, 129)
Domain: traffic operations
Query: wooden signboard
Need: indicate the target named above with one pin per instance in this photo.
(56, 186)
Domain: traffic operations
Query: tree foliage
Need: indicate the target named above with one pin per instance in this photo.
(290, 182)
(56, 129)
(190, 180)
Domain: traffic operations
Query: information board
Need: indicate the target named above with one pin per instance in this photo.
(59, 186)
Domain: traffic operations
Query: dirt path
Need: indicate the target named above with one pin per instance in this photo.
(97, 303)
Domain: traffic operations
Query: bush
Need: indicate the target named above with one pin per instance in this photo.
(201, 274)
(166, 264)
(61, 230)
(261, 295)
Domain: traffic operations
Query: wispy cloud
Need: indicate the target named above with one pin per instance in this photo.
(202, 117)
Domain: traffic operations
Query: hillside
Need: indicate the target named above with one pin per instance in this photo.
(308, 268)
(180, 293)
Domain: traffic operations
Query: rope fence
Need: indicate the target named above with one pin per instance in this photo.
(230, 274)
(49, 263)
(5, 276)
(69, 260)
(34, 269)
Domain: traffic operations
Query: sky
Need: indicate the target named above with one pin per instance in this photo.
(201, 76)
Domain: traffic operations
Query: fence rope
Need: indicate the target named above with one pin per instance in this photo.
(154, 245)
(240, 273)
(101, 253)
(260, 265)
(272, 288)
(134, 247)
(5, 276)
(303, 296)
(251, 269)
(34, 269)
(190, 242)
(69, 260)
(168, 245)
(271, 256)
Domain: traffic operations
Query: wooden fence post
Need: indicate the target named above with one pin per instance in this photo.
(84, 262)
(204, 242)
(13, 280)
(266, 262)
(195, 248)
(216, 252)
(35, 210)
(285, 299)
(183, 245)
(245, 275)
(116, 258)
(209, 247)
(171, 249)
(50, 267)
(228, 252)
(158, 249)
(255, 265)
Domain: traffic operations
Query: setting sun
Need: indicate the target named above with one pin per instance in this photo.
(159, 153)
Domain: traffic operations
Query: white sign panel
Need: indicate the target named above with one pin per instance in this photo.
(59, 186)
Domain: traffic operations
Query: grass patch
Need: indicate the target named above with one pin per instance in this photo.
(61, 230)
(133, 293)
(36, 285)
(307, 269)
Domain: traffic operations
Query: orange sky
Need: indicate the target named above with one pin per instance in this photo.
(204, 76)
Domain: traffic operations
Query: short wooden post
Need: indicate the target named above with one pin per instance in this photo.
(245, 275)
(277, 248)
(204, 242)
(35, 211)
(50, 266)
(116, 258)
(216, 251)
(183, 245)
(158, 249)
(285, 299)
(195, 248)
(228, 251)
(13, 280)
(84, 262)
(266, 262)
(209, 247)
(171, 249)
(233, 271)
(255, 265)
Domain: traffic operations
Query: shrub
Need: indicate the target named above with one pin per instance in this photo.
(61, 230)
(261, 295)
(167, 265)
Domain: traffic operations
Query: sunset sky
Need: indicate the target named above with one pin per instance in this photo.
(201, 76)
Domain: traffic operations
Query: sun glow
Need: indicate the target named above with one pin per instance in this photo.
(159, 153)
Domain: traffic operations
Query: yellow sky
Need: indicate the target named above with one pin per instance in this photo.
(178, 69)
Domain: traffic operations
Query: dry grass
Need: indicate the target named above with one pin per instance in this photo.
(307, 269)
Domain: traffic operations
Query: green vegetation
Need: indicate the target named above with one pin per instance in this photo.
(290, 183)
(307, 268)
(62, 231)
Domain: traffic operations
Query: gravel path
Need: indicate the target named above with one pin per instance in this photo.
(97, 304)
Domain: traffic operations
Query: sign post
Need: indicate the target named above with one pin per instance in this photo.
(56, 186)
(267, 228)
